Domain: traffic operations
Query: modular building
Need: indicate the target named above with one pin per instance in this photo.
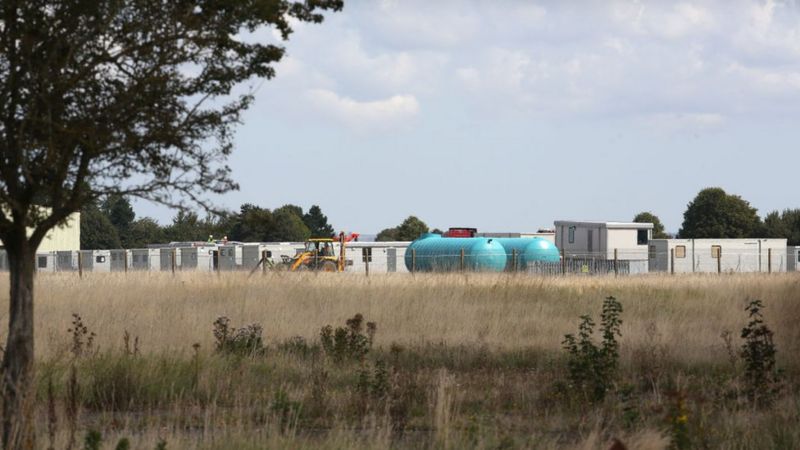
(718, 255)
(381, 257)
(597, 246)
(793, 258)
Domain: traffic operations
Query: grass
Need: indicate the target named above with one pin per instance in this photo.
(457, 361)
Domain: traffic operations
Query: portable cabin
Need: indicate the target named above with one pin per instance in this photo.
(96, 260)
(594, 246)
(382, 257)
(718, 255)
(45, 262)
(793, 258)
(226, 257)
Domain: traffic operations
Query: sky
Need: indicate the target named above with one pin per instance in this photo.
(509, 115)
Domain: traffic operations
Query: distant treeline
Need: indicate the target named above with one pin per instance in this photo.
(112, 223)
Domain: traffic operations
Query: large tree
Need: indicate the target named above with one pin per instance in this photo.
(317, 222)
(104, 97)
(97, 232)
(658, 227)
(785, 224)
(119, 211)
(289, 225)
(715, 214)
(410, 229)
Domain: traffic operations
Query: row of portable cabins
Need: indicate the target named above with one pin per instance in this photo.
(360, 256)
(722, 255)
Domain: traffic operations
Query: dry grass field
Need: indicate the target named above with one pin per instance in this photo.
(455, 361)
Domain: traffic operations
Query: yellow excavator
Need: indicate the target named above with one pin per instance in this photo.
(319, 254)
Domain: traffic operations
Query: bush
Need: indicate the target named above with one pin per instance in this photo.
(761, 378)
(245, 341)
(591, 369)
(348, 343)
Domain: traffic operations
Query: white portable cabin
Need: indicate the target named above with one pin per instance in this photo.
(382, 257)
(195, 258)
(793, 258)
(96, 260)
(277, 250)
(712, 255)
(46, 262)
(605, 241)
(144, 259)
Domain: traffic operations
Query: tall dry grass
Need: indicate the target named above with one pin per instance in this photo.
(683, 314)
(481, 363)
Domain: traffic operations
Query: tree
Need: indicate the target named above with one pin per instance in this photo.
(317, 222)
(289, 225)
(107, 97)
(252, 224)
(783, 225)
(120, 212)
(410, 229)
(715, 214)
(143, 232)
(97, 232)
(658, 227)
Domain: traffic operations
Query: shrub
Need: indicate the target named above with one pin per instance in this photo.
(350, 342)
(761, 378)
(82, 338)
(591, 369)
(246, 341)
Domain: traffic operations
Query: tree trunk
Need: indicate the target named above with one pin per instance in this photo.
(17, 369)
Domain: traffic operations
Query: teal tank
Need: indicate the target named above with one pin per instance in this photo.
(435, 253)
(528, 250)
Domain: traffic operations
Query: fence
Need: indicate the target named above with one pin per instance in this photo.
(376, 259)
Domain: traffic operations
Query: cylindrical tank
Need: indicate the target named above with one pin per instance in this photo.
(432, 252)
(528, 250)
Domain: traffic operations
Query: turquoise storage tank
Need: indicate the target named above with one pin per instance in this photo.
(529, 250)
(435, 253)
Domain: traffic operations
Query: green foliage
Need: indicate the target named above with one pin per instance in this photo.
(678, 421)
(161, 445)
(252, 223)
(143, 232)
(349, 343)
(716, 214)
(123, 444)
(119, 211)
(284, 408)
(658, 227)
(97, 231)
(289, 226)
(783, 225)
(245, 341)
(592, 369)
(317, 222)
(410, 229)
(92, 440)
(761, 377)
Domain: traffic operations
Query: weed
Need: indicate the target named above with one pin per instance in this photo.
(72, 406)
(348, 343)
(245, 341)
(123, 444)
(52, 417)
(131, 350)
(762, 380)
(161, 445)
(591, 369)
(92, 440)
(284, 408)
(82, 338)
(678, 420)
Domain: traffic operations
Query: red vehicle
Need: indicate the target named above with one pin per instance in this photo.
(460, 232)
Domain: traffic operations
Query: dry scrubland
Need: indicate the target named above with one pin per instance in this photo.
(456, 361)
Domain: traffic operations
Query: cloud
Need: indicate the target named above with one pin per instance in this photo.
(685, 122)
(364, 115)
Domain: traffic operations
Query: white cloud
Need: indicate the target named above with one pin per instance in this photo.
(685, 122)
(364, 115)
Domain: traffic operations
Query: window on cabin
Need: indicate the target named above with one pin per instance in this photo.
(641, 237)
(42, 262)
(571, 235)
(366, 254)
(99, 259)
(716, 251)
(680, 251)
